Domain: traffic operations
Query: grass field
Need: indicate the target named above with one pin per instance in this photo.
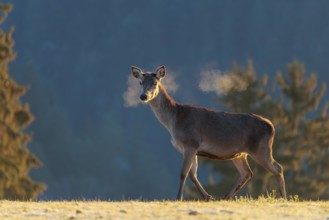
(238, 209)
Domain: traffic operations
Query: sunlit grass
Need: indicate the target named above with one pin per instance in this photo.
(246, 207)
(270, 197)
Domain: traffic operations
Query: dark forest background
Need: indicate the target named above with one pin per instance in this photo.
(76, 58)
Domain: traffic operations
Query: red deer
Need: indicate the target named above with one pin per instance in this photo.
(198, 131)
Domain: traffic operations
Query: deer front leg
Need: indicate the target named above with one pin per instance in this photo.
(193, 177)
(187, 164)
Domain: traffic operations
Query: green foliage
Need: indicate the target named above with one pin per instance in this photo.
(302, 134)
(15, 159)
(302, 140)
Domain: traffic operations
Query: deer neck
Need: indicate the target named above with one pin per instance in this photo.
(164, 107)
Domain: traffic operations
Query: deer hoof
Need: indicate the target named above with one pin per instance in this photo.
(209, 198)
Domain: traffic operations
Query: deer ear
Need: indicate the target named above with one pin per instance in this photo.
(136, 72)
(161, 72)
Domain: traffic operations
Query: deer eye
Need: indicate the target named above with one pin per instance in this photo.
(140, 83)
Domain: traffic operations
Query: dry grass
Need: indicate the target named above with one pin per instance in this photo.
(242, 208)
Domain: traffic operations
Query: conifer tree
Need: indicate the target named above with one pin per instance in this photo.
(15, 158)
(251, 99)
(302, 134)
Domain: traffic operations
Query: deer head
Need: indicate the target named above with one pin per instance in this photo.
(149, 82)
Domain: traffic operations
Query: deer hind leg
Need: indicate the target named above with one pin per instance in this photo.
(187, 164)
(276, 169)
(264, 158)
(194, 179)
(245, 172)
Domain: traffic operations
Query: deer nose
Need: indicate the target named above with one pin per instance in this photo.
(143, 97)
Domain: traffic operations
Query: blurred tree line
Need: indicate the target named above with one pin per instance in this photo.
(301, 143)
(15, 158)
